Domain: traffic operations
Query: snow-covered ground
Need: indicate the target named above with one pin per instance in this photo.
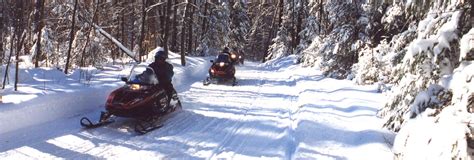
(277, 111)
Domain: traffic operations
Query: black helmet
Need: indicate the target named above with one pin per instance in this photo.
(226, 50)
(161, 54)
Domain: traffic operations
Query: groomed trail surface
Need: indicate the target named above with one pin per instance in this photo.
(279, 111)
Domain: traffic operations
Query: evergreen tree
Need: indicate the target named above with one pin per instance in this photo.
(240, 25)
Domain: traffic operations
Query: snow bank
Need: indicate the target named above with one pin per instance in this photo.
(422, 138)
(280, 63)
(46, 94)
(441, 133)
(45, 108)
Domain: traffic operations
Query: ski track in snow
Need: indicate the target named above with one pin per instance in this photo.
(272, 113)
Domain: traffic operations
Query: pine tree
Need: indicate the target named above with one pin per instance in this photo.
(240, 25)
(311, 26)
(282, 42)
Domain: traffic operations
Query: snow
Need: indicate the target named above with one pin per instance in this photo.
(420, 46)
(467, 44)
(433, 45)
(278, 110)
(447, 33)
(393, 12)
(461, 83)
(433, 140)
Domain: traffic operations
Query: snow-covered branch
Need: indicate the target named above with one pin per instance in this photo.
(110, 37)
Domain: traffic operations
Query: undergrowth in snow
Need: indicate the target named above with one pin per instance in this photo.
(429, 104)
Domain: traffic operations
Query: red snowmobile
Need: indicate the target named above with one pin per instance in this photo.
(140, 98)
(222, 70)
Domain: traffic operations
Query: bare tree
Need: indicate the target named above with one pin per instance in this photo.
(19, 24)
(5, 77)
(190, 26)
(167, 24)
(17, 59)
(38, 28)
(142, 30)
(183, 30)
(174, 23)
(71, 37)
(94, 17)
(2, 23)
(204, 18)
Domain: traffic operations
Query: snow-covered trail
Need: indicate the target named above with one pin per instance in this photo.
(287, 113)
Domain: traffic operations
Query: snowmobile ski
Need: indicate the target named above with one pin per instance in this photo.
(145, 126)
(207, 81)
(104, 120)
(140, 129)
(234, 81)
(85, 122)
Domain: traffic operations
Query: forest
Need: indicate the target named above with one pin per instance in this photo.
(419, 52)
(259, 29)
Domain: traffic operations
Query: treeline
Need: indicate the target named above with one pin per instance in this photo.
(329, 34)
(67, 38)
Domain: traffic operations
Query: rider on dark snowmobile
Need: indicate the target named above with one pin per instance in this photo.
(234, 57)
(222, 69)
(226, 50)
(164, 72)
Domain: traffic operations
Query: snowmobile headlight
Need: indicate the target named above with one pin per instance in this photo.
(221, 64)
(135, 86)
(240, 57)
(233, 56)
(212, 70)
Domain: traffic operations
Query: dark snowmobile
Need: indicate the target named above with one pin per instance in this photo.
(235, 58)
(140, 98)
(222, 70)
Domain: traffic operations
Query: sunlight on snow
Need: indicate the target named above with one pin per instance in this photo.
(72, 142)
(27, 152)
(17, 98)
(80, 145)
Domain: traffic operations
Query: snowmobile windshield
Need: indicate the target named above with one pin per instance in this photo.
(223, 58)
(142, 74)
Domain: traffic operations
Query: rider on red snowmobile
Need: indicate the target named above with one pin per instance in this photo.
(164, 72)
(145, 97)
